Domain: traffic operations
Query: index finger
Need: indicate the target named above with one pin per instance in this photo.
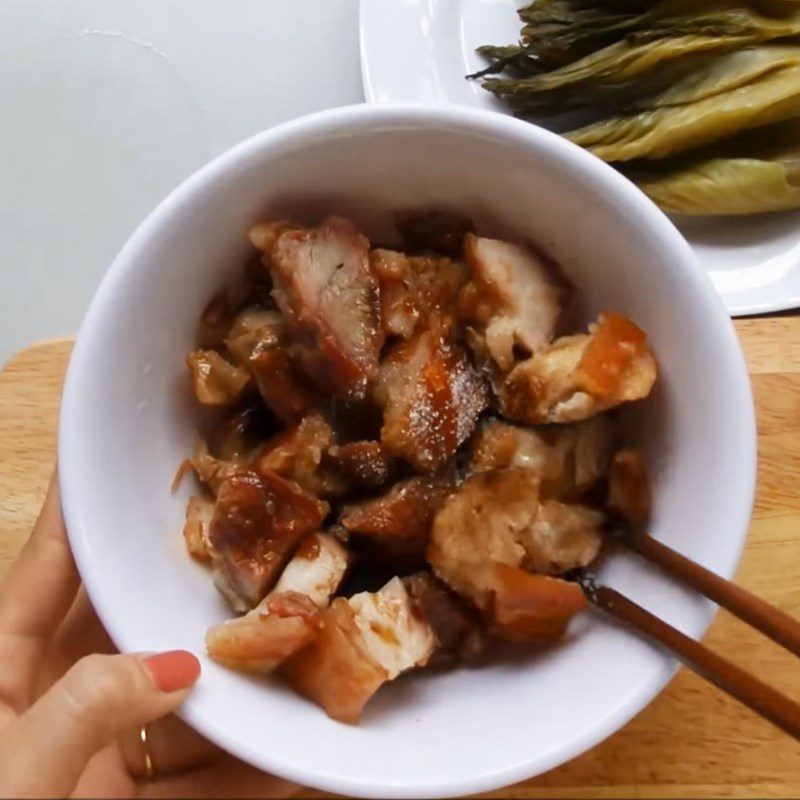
(43, 582)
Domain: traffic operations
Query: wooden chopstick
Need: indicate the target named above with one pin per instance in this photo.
(761, 698)
(763, 616)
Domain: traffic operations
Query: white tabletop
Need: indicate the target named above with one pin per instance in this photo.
(109, 104)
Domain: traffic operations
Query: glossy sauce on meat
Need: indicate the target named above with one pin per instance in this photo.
(401, 458)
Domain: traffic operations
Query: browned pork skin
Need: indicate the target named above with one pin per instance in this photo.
(363, 642)
(404, 512)
(579, 376)
(513, 299)
(259, 518)
(568, 459)
(431, 398)
(328, 296)
(498, 518)
(287, 618)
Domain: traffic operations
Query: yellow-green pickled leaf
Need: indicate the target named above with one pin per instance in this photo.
(724, 186)
(663, 131)
(753, 172)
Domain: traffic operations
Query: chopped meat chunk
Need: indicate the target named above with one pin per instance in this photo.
(258, 643)
(513, 299)
(404, 512)
(216, 381)
(286, 619)
(363, 464)
(297, 453)
(316, 570)
(578, 376)
(215, 321)
(195, 531)
(329, 300)
(258, 521)
(459, 635)
(529, 608)
(256, 340)
(569, 459)
(431, 398)
(629, 487)
(363, 643)
(414, 287)
(438, 230)
(498, 518)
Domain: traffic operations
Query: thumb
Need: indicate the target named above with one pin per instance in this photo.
(44, 752)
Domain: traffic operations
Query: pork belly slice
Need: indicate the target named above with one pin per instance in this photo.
(578, 376)
(258, 521)
(363, 642)
(288, 617)
(498, 517)
(568, 459)
(513, 300)
(328, 295)
(431, 397)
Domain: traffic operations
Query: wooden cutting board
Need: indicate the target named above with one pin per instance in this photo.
(692, 741)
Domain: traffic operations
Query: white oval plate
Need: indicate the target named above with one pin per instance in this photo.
(420, 51)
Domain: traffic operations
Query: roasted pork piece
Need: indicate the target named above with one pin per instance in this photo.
(513, 300)
(404, 512)
(259, 519)
(498, 517)
(422, 409)
(288, 617)
(568, 459)
(257, 339)
(578, 376)
(363, 642)
(431, 397)
(327, 294)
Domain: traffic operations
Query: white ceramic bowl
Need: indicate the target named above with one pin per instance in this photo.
(128, 420)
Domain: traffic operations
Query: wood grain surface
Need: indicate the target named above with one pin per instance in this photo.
(692, 741)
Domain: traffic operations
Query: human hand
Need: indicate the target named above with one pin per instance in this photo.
(70, 712)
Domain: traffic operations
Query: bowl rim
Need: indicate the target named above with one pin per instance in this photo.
(401, 116)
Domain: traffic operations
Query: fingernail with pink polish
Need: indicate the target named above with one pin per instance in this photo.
(173, 670)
